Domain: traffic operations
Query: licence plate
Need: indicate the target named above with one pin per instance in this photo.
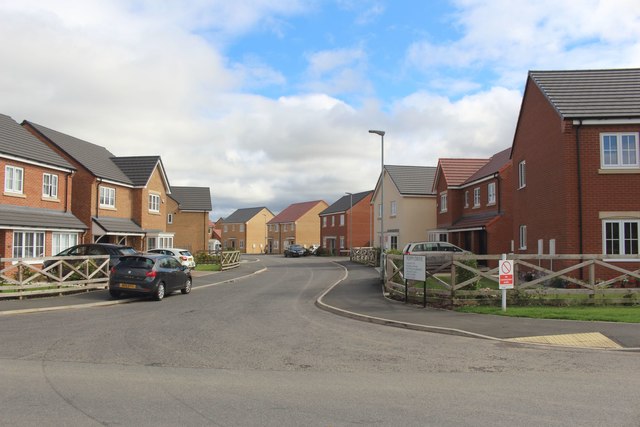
(127, 286)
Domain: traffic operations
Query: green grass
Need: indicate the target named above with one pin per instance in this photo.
(208, 267)
(607, 314)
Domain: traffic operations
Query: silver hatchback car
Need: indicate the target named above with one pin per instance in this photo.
(436, 253)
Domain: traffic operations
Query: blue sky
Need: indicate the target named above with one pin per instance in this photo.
(268, 102)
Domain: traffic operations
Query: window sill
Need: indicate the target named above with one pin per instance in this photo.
(621, 171)
(108, 208)
(491, 204)
(50, 199)
(154, 212)
(18, 195)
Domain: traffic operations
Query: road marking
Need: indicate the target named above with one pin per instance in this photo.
(588, 339)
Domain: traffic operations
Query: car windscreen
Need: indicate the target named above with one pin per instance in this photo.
(136, 262)
(127, 251)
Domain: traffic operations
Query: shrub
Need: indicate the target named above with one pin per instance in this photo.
(462, 274)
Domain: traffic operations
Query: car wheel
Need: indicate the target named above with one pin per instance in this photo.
(159, 292)
(187, 287)
(114, 294)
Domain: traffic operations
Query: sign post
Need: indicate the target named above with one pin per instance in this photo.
(415, 268)
(505, 278)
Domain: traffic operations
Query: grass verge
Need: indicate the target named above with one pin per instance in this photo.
(606, 314)
(208, 267)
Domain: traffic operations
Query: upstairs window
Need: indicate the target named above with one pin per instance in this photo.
(522, 174)
(170, 221)
(342, 220)
(394, 208)
(107, 197)
(13, 179)
(619, 150)
(324, 221)
(466, 199)
(50, 186)
(491, 196)
(154, 203)
(443, 202)
(476, 197)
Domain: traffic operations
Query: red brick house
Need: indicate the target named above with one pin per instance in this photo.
(298, 223)
(35, 204)
(120, 199)
(576, 163)
(350, 217)
(474, 202)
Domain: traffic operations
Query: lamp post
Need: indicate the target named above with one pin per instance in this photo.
(381, 133)
(350, 223)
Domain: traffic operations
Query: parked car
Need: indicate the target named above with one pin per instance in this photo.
(114, 251)
(154, 275)
(294, 250)
(436, 253)
(182, 255)
(311, 250)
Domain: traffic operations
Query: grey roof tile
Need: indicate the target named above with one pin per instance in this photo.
(138, 168)
(117, 225)
(16, 141)
(343, 204)
(591, 94)
(192, 198)
(412, 180)
(97, 159)
(242, 216)
(24, 216)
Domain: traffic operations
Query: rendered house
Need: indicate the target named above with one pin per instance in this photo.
(350, 217)
(121, 199)
(298, 223)
(576, 163)
(35, 204)
(409, 206)
(246, 230)
(188, 217)
(474, 203)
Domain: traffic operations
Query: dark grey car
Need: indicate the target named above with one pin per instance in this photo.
(154, 275)
(295, 250)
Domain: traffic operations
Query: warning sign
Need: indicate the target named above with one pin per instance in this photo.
(505, 277)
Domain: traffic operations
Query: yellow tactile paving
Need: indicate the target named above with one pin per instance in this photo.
(589, 339)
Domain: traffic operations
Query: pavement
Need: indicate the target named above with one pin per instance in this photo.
(359, 296)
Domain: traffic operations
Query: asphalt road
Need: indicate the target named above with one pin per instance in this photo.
(258, 352)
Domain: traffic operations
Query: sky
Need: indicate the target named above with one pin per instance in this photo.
(269, 102)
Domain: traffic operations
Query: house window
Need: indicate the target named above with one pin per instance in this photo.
(324, 221)
(523, 237)
(394, 242)
(241, 243)
(333, 220)
(293, 226)
(491, 196)
(62, 241)
(170, 220)
(107, 197)
(154, 203)
(226, 228)
(466, 199)
(341, 242)
(13, 179)
(50, 186)
(342, 220)
(394, 208)
(522, 174)
(275, 227)
(379, 210)
(620, 237)
(28, 244)
(242, 228)
(285, 227)
(619, 150)
(443, 202)
(275, 244)
(476, 197)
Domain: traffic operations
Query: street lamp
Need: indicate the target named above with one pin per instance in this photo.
(381, 133)
(350, 223)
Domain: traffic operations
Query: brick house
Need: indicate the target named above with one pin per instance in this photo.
(246, 230)
(298, 223)
(188, 217)
(474, 203)
(576, 163)
(410, 205)
(35, 204)
(120, 199)
(350, 217)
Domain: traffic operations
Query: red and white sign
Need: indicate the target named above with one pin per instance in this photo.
(505, 267)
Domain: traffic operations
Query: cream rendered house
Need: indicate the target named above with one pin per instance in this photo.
(409, 206)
